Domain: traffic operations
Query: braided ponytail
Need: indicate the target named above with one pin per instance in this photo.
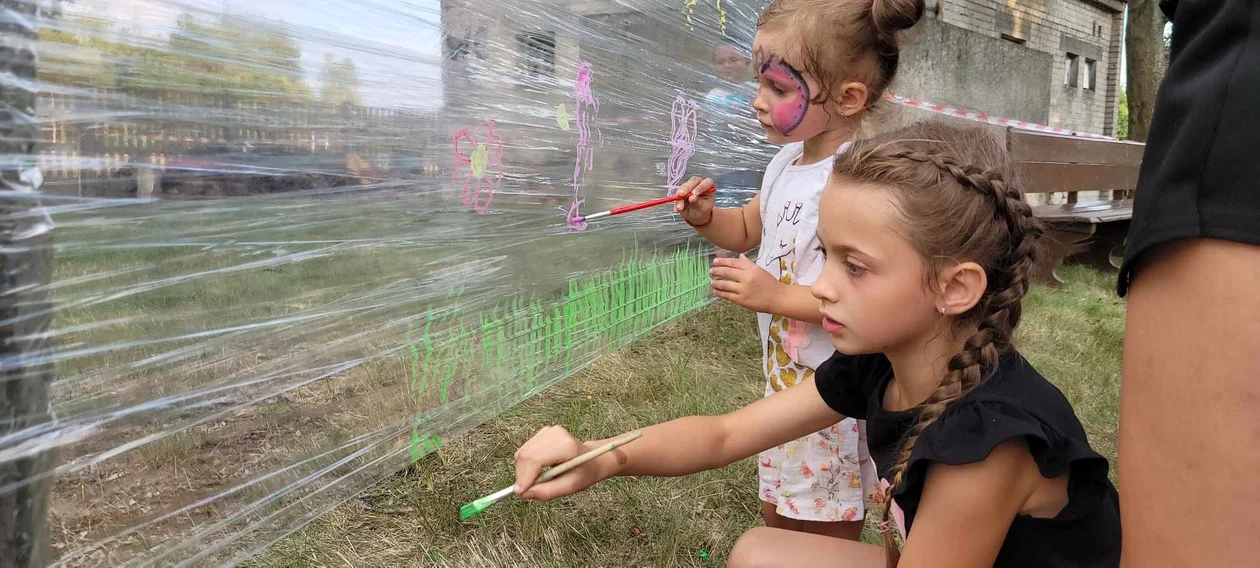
(960, 201)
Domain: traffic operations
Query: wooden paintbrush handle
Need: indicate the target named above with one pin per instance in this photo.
(588, 456)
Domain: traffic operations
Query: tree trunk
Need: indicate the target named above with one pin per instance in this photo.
(25, 314)
(1144, 42)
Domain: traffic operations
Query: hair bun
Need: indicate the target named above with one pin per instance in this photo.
(892, 16)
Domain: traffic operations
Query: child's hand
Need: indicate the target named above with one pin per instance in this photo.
(744, 283)
(551, 446)
(697, 208)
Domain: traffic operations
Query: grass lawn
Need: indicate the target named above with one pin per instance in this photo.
(705, 364)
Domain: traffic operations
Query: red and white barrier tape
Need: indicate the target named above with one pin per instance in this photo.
(982, 117)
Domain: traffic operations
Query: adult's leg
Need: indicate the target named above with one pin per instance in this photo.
(1189, 447)
(765, 547)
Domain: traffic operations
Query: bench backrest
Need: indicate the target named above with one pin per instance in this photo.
(1050, 163)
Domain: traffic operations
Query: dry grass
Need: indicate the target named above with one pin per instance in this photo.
(706, 364)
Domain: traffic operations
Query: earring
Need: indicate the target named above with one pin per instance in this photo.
(942, 310)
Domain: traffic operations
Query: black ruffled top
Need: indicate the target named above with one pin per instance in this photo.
(1015, 401)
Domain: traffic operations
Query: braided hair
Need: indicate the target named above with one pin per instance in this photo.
(958, 200)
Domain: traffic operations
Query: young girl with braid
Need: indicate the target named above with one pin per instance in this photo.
(929, 245)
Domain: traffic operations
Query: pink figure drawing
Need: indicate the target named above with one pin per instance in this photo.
(585, 159)
(483, 174)
(683, 120)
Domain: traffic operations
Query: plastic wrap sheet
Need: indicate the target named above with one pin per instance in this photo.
(299, 243)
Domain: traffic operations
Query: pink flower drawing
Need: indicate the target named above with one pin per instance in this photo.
(484, 160)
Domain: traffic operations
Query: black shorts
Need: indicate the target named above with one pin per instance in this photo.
(1200, 175)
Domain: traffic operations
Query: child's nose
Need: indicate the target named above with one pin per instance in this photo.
(818, 291)
(825, 288)
(759, 102)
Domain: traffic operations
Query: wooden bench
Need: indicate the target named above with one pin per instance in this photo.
(1091, 231)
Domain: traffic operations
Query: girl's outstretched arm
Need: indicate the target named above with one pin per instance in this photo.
(678, 447)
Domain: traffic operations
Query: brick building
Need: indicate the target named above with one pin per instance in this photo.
(1053, 62)
(1083, 38)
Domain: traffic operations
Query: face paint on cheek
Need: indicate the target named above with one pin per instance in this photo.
(787, 115)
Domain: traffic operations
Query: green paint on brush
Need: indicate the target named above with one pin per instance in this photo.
(475, 508)
(470, 510)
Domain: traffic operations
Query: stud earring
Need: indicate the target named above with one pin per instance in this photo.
(942, 309)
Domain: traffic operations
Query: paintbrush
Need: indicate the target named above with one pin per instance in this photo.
(476, 507)
(635, 207)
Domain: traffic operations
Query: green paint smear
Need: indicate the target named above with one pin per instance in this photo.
(521, 345)
(421, 447)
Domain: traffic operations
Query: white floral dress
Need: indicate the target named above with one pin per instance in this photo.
(827, 475)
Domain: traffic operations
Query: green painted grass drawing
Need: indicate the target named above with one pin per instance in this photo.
(521, 346)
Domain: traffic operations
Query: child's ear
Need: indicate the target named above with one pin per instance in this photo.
(962, 286)
(853, 98)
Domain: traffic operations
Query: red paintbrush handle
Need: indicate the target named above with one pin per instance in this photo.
(652, 203)
(645, 204)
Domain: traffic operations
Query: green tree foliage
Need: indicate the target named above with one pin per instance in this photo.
(88, 53)
(250, 58)
(339, 82)
(1122, 116)
(246, 59)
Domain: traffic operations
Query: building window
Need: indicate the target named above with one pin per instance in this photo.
(537, 53)
(1091, 67)
(1071, 70)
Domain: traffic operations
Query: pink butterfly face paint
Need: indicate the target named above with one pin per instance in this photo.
(786, 115)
